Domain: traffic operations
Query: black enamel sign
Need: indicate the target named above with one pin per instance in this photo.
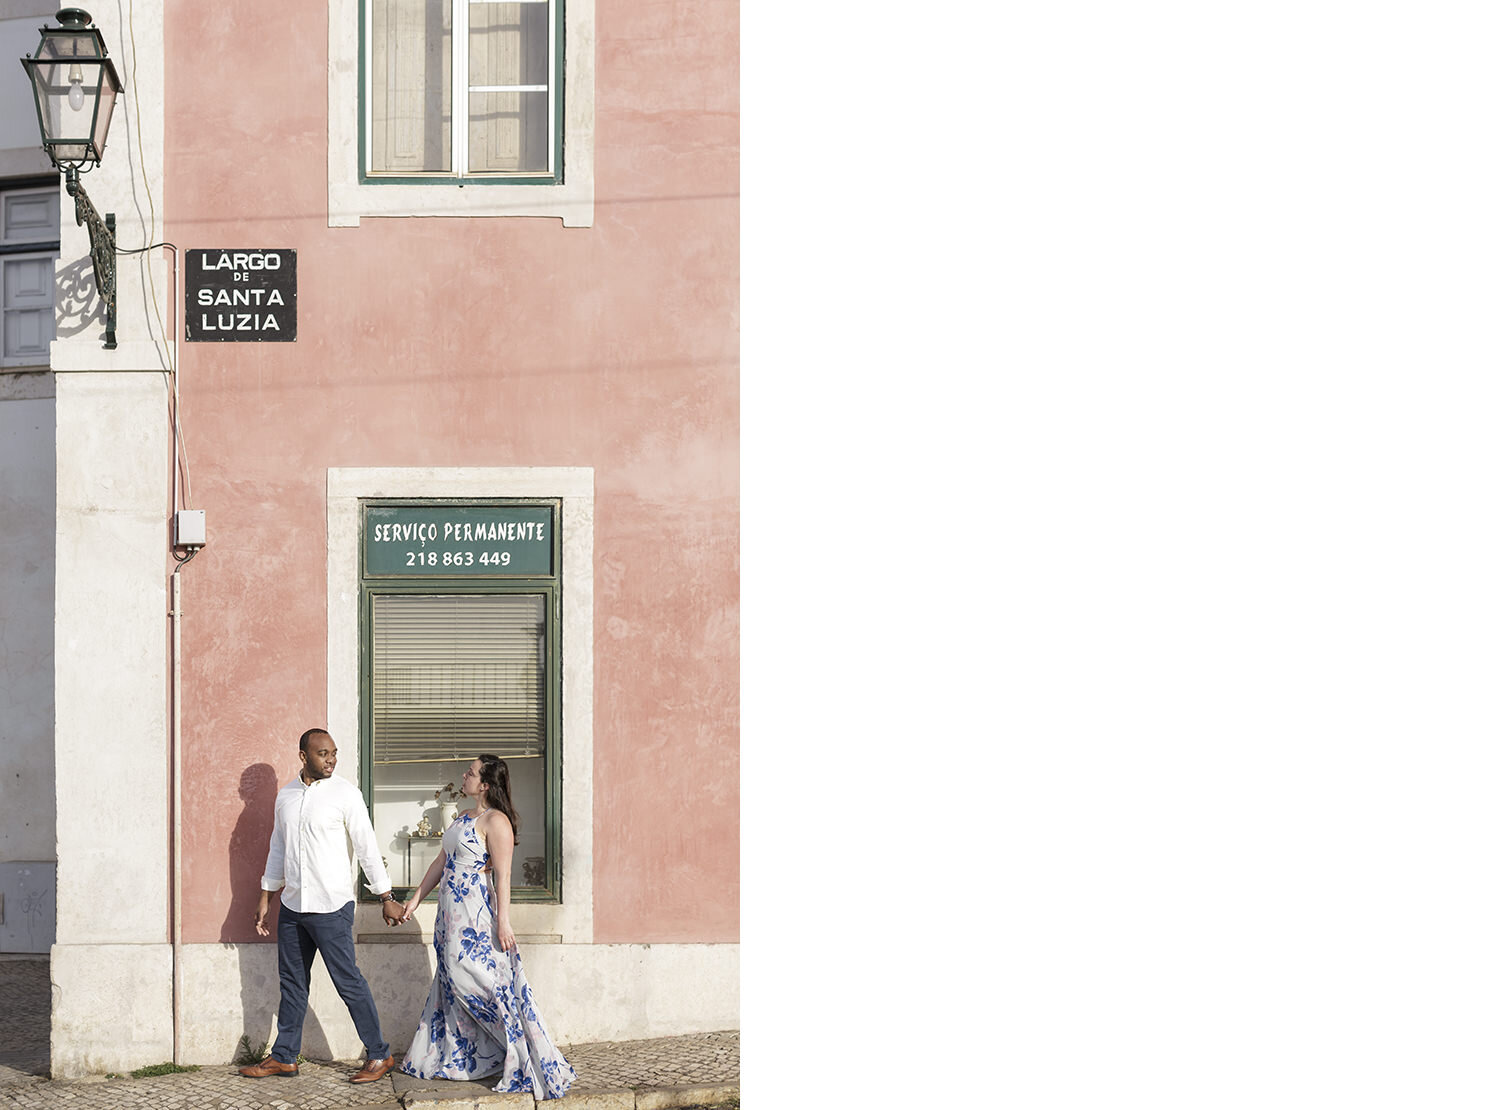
(241, 296)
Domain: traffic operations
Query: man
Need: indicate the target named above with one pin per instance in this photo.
(309, 863)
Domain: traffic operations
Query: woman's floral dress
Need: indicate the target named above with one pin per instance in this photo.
(480, 1017)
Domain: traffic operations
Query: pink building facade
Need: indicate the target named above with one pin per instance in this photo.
(515, 309)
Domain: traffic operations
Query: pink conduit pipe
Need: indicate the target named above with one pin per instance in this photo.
(176, 817)
(175, 726)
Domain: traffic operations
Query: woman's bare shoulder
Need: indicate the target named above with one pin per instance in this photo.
(492, 822)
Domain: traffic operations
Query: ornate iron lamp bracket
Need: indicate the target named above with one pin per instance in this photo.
(101, 249)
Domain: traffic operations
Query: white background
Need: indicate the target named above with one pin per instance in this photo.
(1172, 327)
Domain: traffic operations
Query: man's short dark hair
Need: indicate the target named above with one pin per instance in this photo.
(308, 735)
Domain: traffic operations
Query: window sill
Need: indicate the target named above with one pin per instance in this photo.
(425, 939)
(519, 896)
(532, 923)
(349, 201)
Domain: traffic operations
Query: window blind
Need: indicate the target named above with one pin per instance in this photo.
(456, 675)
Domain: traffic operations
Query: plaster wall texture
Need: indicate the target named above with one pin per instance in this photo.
(504, 342)
(586, 992)
(111, 1007)
(28, 511)
(110, 607)
(111, 666)
(231, 990)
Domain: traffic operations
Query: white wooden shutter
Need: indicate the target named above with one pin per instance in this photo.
(410, 64)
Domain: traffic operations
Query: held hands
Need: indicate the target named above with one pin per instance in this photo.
(410, 907)
(393, 912)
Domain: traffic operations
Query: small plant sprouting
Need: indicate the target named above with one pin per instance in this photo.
(247, 1053)
(162, 1069)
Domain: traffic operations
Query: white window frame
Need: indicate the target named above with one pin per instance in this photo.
(350, 200)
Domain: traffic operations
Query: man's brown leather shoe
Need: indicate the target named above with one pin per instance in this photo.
(373, 1070)
(269, 1066)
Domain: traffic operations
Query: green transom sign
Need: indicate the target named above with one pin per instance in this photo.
(461, 540)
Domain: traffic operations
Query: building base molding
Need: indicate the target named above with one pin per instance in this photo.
(586, 992)
(111, 1008)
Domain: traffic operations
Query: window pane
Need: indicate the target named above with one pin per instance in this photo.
(508, 132)
(403, 796)
(451, 677)
(510, 46)
(411, 100)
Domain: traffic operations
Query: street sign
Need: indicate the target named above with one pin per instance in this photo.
(241, 296)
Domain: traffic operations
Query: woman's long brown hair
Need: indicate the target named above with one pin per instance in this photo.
(495, 776)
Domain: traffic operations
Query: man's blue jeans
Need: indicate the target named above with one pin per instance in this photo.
(299, 938)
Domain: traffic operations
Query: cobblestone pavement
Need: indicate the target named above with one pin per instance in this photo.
(704, 1059)
(317, 1087)
(663, 1065)
(25, 988)
(700, 1060)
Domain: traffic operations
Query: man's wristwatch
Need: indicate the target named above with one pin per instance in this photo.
(387, 897)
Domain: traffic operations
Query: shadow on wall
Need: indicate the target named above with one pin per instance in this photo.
(259, 992)
(78, 305)
(260, 997)
(399, 968)
(260, 988)
(247, 853)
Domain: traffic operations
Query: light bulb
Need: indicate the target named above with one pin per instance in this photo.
(75, 88)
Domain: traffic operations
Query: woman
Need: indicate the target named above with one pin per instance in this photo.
(480, 1017)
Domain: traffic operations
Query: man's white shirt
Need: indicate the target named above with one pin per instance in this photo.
(309, 857)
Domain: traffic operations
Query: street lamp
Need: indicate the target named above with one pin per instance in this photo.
(75, 85)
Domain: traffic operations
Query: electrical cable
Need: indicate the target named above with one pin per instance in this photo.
(180, 457)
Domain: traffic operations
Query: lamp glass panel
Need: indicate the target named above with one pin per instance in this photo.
(73, 134)
(60, 121)
(62, 45)
(102, 116)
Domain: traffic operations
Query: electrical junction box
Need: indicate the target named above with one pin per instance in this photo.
(191, 528)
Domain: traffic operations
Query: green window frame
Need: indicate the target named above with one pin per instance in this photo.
(455, 118)
(478, 579)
